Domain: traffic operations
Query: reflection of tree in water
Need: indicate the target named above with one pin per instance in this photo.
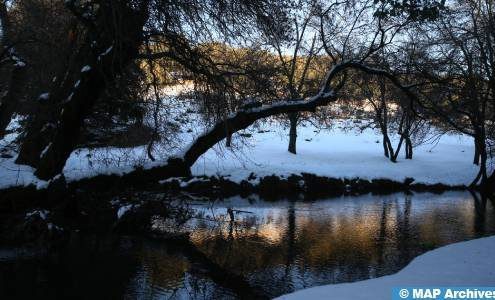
(404, 232)
(291, 241)
(168, 272)
(297, 247)
(480, 201)
(287, 246)
(162, 268)
(382, 233)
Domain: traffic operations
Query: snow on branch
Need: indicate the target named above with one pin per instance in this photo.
(247, 116)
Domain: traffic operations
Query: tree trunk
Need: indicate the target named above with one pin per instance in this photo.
(394, 156)
(480, 144)
(181, 166)
(293, 132)
(385, 147)
(382, 116)
(103, 56)
(228, 139)
(244, 118)
(409, 148)
(10, 100)
(483, 160)
(390, 150)
(477, 154)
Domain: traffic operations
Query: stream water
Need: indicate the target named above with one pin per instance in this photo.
(278, 247)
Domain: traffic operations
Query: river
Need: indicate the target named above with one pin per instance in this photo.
(277, 246)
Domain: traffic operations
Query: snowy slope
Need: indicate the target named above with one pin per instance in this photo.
(462, 264)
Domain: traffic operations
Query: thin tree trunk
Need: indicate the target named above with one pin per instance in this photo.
(385, 147)
(156, 109)
(293, 132)
(382, 116)
(397, 150)
(390, 148)
(483, 160)
(409, 148)
(228, 138)
(477, 154)
(407, 139)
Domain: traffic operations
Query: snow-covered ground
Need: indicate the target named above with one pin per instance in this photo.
(335, 152)
(345, 154)
(462, 264)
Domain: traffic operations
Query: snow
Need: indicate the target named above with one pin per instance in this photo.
(192, 180)
(69, 98)
(335, 152)
(340, 153)
(123, 210)
(462, 264)
(86, 68)
(45, 150)
(179, 89)
(44, 96)
(41, 213)
(20, 64)
(107, 51)
(107, 161)
(169, 180)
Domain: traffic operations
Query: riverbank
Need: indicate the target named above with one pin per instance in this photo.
(272, 187)
(468, 263)
(330, 162)
(337, 152)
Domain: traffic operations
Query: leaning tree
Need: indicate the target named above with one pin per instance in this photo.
(118, 32)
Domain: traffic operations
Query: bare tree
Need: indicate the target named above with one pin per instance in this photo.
(295, 50)
(456, 58)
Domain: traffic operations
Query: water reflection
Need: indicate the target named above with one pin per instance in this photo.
(285, 246)
(278, 247)
(165, 273)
